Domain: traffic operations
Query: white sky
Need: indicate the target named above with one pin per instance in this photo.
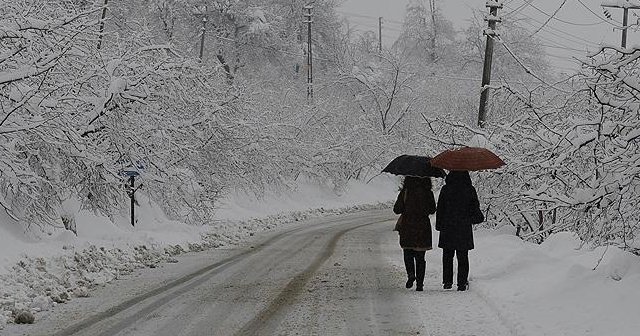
(582, 30)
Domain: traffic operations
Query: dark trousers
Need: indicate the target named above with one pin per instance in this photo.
(447, 266)
(415, 264)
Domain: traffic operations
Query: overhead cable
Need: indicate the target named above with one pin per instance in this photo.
(564, 21)
(526, 68)
(617, 25)
(549, 19)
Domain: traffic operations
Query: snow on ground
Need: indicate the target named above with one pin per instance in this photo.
(556, 288)
(40, 270)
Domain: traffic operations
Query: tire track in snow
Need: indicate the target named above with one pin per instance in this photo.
(269, 318)
(162, 295)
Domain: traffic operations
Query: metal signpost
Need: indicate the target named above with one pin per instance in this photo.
(131, 173)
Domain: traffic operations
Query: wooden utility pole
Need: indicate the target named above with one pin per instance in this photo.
(432, 7)
(380, 34)
(625, 16)
(308, 20)
(203, 30)
(102, 18)
(492, 18)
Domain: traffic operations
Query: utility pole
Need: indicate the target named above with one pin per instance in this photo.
(102, 18)
(432, 7)
(625, 16)
(203, 30)
(380, 34)
(492, 18)
(308, 20)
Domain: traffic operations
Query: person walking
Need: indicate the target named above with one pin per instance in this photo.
(415, 203)
(458, 209)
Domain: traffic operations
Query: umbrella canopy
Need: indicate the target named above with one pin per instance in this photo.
(413, 165)
(467, 158)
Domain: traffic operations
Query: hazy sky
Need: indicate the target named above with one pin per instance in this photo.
(578, 27)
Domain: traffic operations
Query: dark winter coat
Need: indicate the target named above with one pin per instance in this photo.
(415, 203)
(458, 209)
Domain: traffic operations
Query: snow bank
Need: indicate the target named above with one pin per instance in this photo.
(37, 272)
(307, 195)
(558, 288)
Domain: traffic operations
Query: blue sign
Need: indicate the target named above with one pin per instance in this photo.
(129, 172)
(132, 171)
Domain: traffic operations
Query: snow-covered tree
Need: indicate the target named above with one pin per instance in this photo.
(427, 36)
(571, 151)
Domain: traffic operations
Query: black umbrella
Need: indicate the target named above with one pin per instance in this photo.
(413, 165)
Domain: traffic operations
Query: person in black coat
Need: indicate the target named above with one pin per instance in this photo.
(415, 202)
(458, 209)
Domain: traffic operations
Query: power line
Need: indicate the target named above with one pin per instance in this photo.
(548, 28)
(563, 57)
(526, 69)
(549, 19)
(372, 24)
(370, 29)
(368, 17)
(270, 48)
(558, 43)
(555, 46)
(617, 25)
(564, 21)
(547, 42)
(557, 30)
(564, 48)
(376, 26)
(371, 21)
(333, 62)
(519, 8)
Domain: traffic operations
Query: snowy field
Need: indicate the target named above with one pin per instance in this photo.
(556, 288)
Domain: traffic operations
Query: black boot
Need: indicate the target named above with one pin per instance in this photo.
(463, 269)
(409, 283)
(410, 267)
(447, 268)
(421, 267)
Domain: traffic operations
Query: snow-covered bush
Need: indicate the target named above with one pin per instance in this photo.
(572, 154)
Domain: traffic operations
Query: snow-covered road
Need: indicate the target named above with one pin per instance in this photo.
(341, 275)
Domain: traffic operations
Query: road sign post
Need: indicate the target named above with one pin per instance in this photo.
(131, 173)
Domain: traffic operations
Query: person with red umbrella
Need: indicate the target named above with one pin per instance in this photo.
(459, 208)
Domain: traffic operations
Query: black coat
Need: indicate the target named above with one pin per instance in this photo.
(415, 204)
(458, 209)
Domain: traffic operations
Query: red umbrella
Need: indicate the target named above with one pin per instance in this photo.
(467, 158)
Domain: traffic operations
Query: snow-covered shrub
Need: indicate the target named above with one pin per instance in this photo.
(572, 153)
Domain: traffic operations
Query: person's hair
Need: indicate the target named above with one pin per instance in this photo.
(412, 182)
(459, 176)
